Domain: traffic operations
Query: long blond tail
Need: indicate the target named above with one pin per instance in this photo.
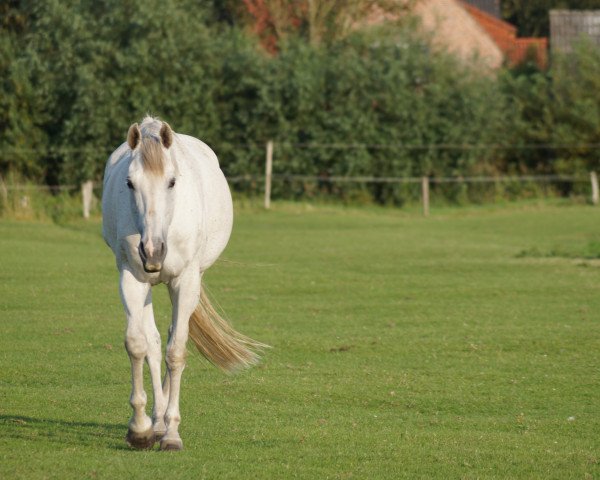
(218, 342)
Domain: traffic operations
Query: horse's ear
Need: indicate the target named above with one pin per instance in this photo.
(133, 136)
(166, 135)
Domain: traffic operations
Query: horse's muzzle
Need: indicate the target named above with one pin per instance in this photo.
(153, 258)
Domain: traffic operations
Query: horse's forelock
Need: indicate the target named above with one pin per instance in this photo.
(152, 156)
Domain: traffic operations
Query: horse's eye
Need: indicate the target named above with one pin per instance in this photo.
(172, 182)
(130, 185)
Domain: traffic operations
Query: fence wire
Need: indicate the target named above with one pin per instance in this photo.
(399, 189)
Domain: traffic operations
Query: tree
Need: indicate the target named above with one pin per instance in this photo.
(532, 16)
(76, 74)
(23, 139)
(317, 21)
(576, 106)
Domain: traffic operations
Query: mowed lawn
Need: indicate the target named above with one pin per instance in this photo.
(403, 347)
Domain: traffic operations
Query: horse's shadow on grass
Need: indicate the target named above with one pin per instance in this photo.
(64, 432)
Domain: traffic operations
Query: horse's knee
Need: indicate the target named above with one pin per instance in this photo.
(175, 357)
(138, 400)
(136, 345)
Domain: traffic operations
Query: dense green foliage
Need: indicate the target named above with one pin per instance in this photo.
(438, 349)
(75, 75)
(559, 108)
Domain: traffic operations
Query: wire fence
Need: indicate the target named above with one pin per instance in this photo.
(434, 180)
(422, 186)
(60, 150)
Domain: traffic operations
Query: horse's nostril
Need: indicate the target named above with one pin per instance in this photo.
(142, 250)
(162, 248)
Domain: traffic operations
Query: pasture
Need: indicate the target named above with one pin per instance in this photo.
(465, 345)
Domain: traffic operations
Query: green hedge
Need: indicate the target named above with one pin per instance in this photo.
(75, 75)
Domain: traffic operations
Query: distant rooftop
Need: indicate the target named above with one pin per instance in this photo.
(515, 49)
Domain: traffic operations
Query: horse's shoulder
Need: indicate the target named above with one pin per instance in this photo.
(117, 159)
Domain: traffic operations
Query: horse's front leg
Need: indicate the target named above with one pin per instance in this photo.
(134, 296)
(185, 294)
(153, 358)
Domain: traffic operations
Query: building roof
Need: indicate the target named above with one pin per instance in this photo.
(470, 29)
(474, 34)
(516, 50)
(452, 27)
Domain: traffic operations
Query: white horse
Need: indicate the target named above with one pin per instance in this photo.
(167, 216)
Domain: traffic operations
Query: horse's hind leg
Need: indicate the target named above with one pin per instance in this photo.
(154, 357)
(134, 296)
(184, 291)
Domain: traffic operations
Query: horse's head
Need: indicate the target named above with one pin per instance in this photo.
(151, 180)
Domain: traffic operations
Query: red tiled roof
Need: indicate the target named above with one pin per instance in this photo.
(505, 36)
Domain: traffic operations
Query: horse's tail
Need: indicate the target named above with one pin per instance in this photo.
(218, 342)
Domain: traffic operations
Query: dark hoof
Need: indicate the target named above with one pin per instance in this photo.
(171, 445)
(141, 441)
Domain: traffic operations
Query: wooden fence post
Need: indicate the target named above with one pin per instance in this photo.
(3, 193)
(268, 174)
(595, 191)
(87, 192)
(425, 195)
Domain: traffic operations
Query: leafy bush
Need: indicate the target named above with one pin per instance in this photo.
(77, 74)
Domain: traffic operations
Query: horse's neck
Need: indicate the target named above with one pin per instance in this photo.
(192, 190)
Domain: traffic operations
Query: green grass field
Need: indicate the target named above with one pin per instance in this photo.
(465, 345)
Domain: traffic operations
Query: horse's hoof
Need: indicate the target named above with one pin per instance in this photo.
(171, 444)
(141, 441)
(159, 434)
